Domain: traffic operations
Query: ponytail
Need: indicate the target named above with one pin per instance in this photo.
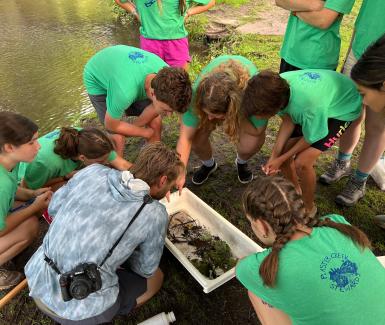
(90, 142)
(182, 7)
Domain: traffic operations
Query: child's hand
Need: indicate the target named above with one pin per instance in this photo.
(40, 191)
(272, 166)
(42, 200)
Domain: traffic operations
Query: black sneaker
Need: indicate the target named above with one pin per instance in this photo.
(203, 173)
(245, 175)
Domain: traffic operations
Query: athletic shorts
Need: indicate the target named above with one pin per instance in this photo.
(336, 129)
(174, 52)
(100, 105)
(286, 67)
(131, 287)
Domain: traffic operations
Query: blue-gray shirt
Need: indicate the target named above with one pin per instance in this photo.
(90, 213)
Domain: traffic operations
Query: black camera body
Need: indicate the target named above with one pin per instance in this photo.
(83, 280)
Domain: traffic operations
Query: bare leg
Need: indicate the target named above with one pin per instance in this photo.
(201, 144)
(154, 284)
(374, 142)
(251, 140)
(156, 125)
(120, 142)
(17, 240)
(304, 165)
(267, 314)
(288, 167)
(350, 138)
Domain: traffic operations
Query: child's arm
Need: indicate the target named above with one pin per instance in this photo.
(120, 163)
(195, 10)
(146, 117)
(322, 19)
(300, 5)
(16, 218)
(183, 147)
(284, 133)
(126, 129)
(25, 194)
(129, 7)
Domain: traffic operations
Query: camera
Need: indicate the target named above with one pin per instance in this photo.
(83, 280)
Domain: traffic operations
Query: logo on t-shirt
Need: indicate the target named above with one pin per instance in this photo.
(341, 273)
(310, 77)
(137, 57)
(149, 3)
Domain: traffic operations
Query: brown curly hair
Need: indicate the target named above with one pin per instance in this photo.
(266, 94)
(172, 86)
(220, 92)
(275, 200)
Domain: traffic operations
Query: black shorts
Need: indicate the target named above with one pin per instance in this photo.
(100, 105)
(131, 287)
(336, 129)
(286, 67)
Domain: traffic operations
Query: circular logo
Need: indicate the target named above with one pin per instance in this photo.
(340, 272)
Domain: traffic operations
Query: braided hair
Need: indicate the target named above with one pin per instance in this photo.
(276, 201)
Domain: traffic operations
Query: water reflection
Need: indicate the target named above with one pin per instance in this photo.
(44, 45)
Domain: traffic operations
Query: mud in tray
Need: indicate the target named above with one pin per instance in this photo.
(204, 242)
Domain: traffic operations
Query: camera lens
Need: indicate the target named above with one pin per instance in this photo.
(80, 288)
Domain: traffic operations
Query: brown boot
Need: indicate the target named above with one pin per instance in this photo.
(9, 279)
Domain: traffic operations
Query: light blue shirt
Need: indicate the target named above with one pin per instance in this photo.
(90, 213)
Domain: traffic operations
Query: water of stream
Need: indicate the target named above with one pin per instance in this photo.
(44, 45)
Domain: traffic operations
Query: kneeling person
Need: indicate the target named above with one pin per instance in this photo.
(93, 210)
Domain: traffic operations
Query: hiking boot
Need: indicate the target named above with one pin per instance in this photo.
(337, 170)
(379, 220)
(245, 175)
(203, 173)
(9, 279)
(353, 191)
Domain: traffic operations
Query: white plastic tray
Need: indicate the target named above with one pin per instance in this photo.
(240, 244)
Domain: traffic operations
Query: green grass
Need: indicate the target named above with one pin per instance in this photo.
(180, 292)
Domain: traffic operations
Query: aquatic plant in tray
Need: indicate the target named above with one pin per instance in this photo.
(208, 253)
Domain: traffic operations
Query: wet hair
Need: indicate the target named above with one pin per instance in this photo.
(369, 71)
(266, 94)
(220, 92)
(90, 142)
(172, 86)
(15, 129)
(156, 160)
(275, 200)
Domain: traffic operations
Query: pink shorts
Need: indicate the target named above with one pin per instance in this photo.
(174, 52)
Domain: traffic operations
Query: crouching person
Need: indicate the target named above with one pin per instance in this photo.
(96, 208)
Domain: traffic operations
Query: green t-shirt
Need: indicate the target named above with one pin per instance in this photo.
(119, 72)
(316, 96)
(308, 47)
(370, 25)
(47, 164)
(8, 187)
(164, 23)
(190, 118)
(322, 279)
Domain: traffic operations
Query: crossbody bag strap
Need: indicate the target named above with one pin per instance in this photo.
(146, 199)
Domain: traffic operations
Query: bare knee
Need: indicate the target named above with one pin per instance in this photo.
(32, 229)
(156, 123)
(302, 166)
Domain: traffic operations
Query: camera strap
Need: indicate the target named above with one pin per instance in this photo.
(146, 199)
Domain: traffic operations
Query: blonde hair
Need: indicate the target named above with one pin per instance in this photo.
(156, 160)
(220, 92)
